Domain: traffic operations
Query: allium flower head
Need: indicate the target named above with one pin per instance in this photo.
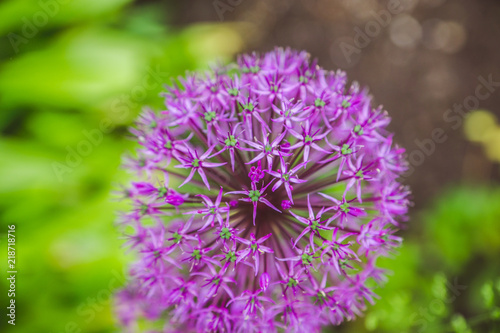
(265, 192)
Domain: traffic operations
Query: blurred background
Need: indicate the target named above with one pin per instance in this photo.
(74, 74)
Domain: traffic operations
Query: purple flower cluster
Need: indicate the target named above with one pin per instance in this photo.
(266, 191)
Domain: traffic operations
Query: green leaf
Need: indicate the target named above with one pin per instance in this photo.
(459, 324)
(488, 294)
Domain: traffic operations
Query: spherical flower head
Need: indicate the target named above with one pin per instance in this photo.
(266, 192)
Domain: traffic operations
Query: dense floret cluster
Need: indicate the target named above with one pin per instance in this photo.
(265, 192)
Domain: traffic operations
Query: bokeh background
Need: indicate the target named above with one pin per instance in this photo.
(74, 74)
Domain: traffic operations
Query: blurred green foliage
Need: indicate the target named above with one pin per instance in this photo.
(69, 88)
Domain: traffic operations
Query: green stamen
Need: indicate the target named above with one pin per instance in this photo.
(231, 141)
(249, 107)
(292, 283)
(346, 150)
(314, 225)
(230, 256)
(162, 191)
(345, 207)
(233, 92)
(307, 259)
(358, 130)
(254, 69)
(319, 103)
(209, 115)
(254, 195)
(177, 238)
(196, 254)
(225, 233)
